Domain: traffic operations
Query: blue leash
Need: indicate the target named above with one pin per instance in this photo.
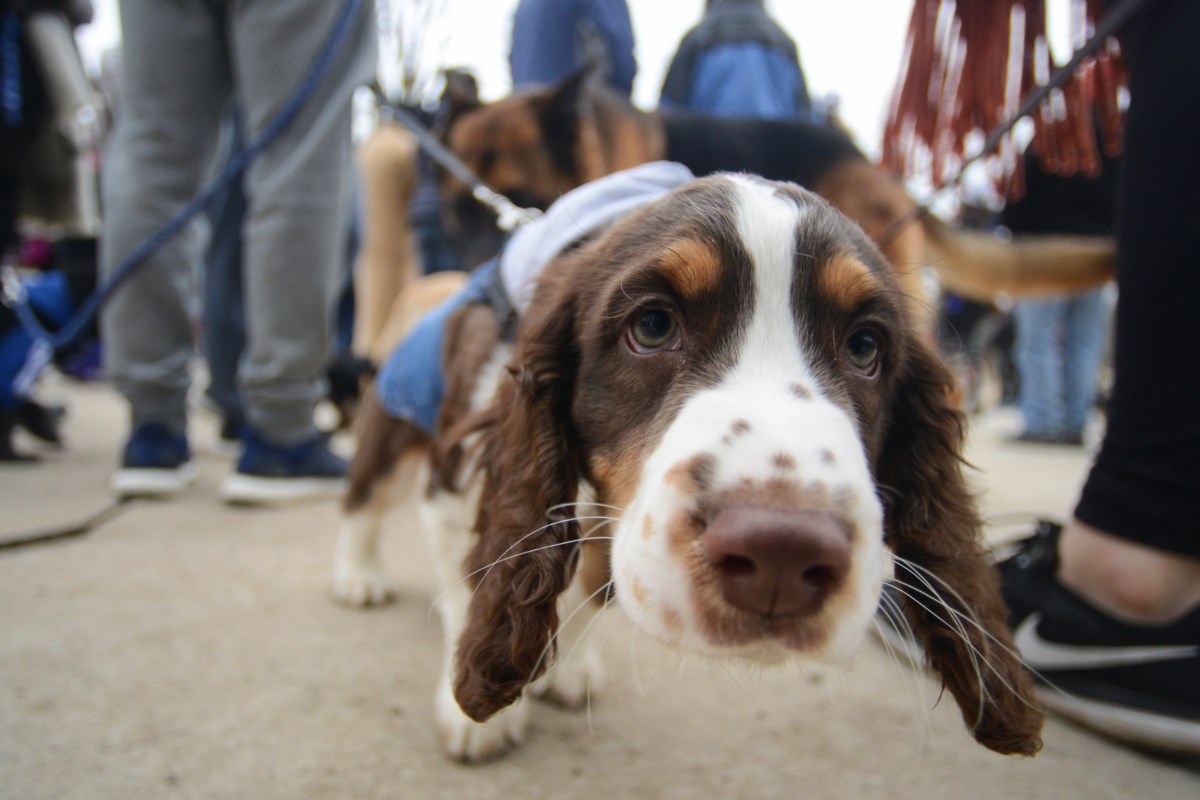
(14, 294)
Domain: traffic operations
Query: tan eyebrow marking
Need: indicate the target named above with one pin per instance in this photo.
(847, 282)
(691, 267)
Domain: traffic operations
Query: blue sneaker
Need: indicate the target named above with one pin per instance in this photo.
(268, 473)
(156, 463)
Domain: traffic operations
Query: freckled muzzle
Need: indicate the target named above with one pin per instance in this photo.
(777, 563)
(759, 529)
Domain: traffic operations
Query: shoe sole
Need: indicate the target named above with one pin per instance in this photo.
(153, 482)
(1140, 728)
(240, 489)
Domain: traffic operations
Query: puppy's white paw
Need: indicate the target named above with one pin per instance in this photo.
(469, 741)
(360, 584)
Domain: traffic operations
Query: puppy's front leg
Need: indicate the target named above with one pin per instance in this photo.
(447, 526)
(388, 463)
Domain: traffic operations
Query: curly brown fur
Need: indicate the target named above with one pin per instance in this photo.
(933, 524)
(522, 561)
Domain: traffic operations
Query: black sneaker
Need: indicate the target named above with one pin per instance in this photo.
(268, 474)
(1135, 683)
(156, 462)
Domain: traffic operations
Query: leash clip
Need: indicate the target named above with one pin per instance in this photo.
(12, 292)
(509, 215)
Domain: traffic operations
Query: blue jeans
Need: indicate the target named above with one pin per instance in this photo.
(1059, 343)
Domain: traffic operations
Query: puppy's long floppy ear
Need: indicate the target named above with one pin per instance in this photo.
(953, 600)
(523, 559)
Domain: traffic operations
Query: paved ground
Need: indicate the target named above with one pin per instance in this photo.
(188, 650)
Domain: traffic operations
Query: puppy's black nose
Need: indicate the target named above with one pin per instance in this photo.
(777, 562)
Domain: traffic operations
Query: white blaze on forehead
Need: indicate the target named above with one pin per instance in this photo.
(742, 429)
(766, 223)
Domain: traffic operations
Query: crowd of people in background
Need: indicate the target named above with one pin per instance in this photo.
(736, 61)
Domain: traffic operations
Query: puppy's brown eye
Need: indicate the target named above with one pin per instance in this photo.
(653, 330)
(862, 350)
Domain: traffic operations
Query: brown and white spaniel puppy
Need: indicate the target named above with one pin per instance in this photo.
(728, 376)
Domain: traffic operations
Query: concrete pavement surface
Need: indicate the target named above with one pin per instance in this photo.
(188, 650)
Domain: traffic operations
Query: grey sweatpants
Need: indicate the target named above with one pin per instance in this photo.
(183, 62)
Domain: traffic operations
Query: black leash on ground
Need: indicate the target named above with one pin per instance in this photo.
(1107, 27)
(68, 531)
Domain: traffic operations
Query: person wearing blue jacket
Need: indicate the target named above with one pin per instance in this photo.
(553, 38)
(737, 62)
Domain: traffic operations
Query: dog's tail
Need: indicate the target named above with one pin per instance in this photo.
(980, 266)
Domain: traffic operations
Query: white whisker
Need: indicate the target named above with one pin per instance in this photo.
(970, 645)
(921, 572)
(894, 616)
(988, 636)
(562, 623)
(955, 624)
(505, 557)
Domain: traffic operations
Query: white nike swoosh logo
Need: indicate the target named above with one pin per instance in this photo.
(1041, 654)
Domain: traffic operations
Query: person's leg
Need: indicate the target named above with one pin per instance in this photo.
(298, 196)
(1129, 580)
(1108, 610)
(1085, 325)
(1039, 358)
(1146, 477)
(175, 84)
(224, 311)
